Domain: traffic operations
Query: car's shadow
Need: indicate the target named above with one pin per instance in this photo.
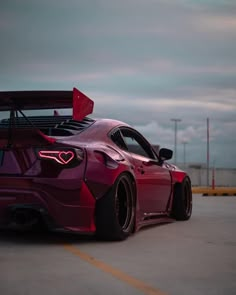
(45, 237)
(42, 237)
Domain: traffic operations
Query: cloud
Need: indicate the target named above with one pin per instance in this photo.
(142, 62)
(218, 24)
(154, 131)
(196, 139)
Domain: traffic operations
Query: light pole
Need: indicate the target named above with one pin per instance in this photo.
(184, 144)
(175, 121)
(208, 152)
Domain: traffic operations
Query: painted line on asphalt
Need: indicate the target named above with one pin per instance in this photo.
(141, 286)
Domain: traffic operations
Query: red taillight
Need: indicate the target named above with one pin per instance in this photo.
(63, 156)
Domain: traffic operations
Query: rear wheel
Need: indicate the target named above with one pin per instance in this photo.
(115, 211)
(182, 203)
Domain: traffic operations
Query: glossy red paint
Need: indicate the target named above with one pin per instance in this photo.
(178, 176)
(82, 105)
(63, 177)
(100, 174)
(47, 138)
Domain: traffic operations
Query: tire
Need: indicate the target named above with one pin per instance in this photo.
(182, 202)
(115, 211)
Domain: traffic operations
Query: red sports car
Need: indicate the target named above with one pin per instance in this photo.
(75, 173)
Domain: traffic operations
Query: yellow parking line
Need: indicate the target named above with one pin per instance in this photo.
(141, 286)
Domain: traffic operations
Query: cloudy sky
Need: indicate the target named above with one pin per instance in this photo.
(141, 61)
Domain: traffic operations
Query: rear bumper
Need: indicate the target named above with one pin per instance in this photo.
(63, 204)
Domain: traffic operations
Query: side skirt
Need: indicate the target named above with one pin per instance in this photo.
(154, 218)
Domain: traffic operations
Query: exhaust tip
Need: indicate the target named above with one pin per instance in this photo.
(24, 218)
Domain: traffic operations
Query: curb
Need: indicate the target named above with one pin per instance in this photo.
(218, 191)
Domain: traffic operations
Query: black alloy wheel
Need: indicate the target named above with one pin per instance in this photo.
(182, 202)
(115, 211)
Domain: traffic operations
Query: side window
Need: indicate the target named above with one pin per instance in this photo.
(117, 138)
(136, 143)
(134, 146)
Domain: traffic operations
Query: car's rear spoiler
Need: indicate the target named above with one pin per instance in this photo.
(18, 101)
(36, 100)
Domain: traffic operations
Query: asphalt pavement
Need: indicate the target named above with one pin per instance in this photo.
(194, 257)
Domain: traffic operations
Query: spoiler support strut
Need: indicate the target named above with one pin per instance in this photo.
(12, 124)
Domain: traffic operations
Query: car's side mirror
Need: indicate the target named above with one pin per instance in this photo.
(165, 154)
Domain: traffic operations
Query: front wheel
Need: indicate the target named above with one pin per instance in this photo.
(182, 202)
(115, 211)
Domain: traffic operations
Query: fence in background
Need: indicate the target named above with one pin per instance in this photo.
(219, 177)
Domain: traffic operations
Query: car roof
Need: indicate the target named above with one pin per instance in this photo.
(100, 129)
